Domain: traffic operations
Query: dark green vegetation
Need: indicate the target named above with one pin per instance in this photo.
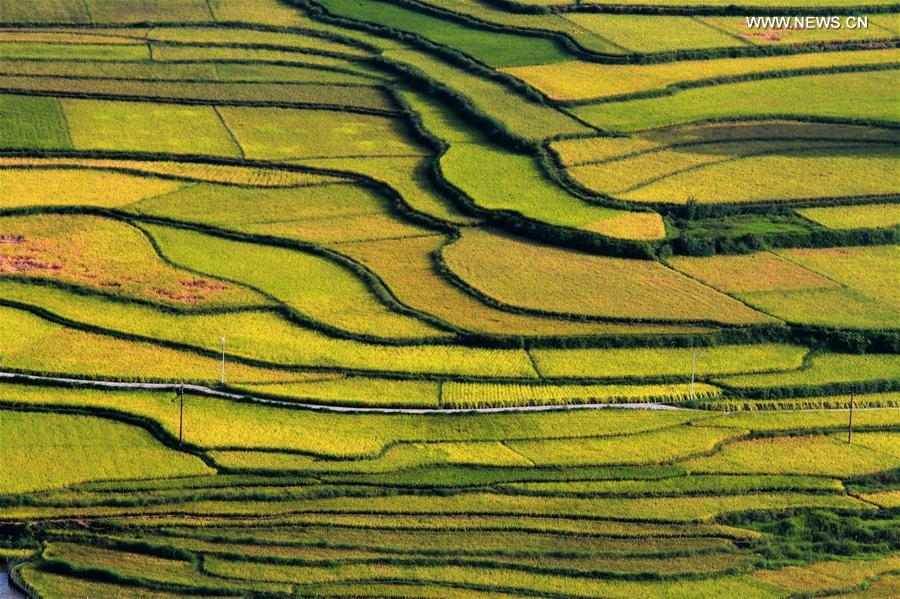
(298, 208)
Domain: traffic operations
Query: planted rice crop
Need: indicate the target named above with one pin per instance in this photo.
(210, 422)
(141, 126)
(730, 162)
(474, 395)
(107, 256)
(321, 213)
(46, 11)
(829, 576)
(181, 10)
(648, 448)
(535, 22)
(868, 270)
(399, 269)
(497, 48)
(51, 584)
(35, 187)
(223, 36)
(35, 345)
(473, 542)
(545, 278)
(520, 116)
(863, 96)
(698, 484)
(748, 3)
(830, 286)
(889, 399)
(828, 369)
(408, 176)
(263, 335)
(658, 509)
(353, 97)
(66, 186)
(26, 50)
(803, 455)
(853, 217)
(806, 420)
(316, 286)
(880, 27)
(514, 181)
(407, 268)
(355, 391)
(651, 33)
(32, 122)
(745, 179)
(580, 80)
(650, 362)
(271, 133)
(52, 450)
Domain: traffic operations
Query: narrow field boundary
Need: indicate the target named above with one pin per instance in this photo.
(209, 391)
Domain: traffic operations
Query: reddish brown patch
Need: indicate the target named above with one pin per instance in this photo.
(767, 36)
(109, 284)
(19, 263)
(10, 239)
(202, 285)
(179, 297)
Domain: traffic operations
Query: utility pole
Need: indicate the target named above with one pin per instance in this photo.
(850, 425)
(181, 415)
(223, 361)
(693, 372)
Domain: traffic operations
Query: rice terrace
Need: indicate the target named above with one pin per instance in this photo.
(449, 298)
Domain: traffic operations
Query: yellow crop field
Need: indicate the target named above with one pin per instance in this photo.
(831, 286)
(829, 368)
(852, 217)
(540, 277)
(473, 395)
(831, 576)
(109, 256)
(449, 298)
(67, 186)
(580, 80)
(763, 271)
(40, 444)
(406, 266)
(269, 133)
(821, 456)
(643, 362)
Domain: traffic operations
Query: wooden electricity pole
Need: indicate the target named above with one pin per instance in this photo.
(693, 372)
(181, 414)
(223, 361)
(850, 424)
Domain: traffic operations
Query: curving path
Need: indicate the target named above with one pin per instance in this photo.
(203, 390)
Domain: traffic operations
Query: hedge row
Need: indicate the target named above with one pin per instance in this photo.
(800, 391)
(814, 237)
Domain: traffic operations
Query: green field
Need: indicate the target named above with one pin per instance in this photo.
(448, 298)
(862, 96)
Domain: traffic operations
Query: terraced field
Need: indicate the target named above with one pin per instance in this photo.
(448, 298)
